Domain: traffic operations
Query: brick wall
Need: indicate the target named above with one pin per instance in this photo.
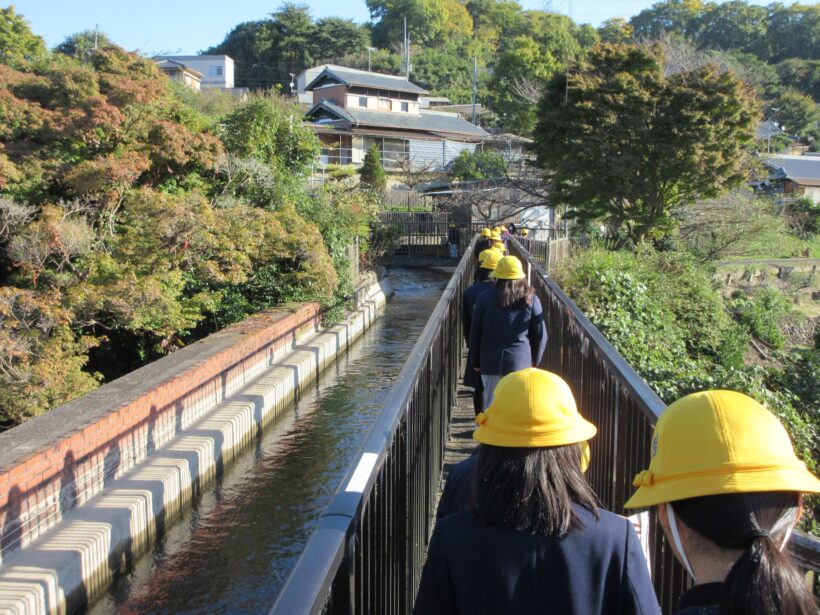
(54, 462)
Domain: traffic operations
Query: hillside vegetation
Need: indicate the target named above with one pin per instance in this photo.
(135, 218)
(775, 48)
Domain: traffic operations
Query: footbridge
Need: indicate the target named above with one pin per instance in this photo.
(279, 466)
(368, 551)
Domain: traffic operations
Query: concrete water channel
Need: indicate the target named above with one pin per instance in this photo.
(234, 549)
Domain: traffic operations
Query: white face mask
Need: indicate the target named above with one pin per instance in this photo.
(788, 520)
(673, 529)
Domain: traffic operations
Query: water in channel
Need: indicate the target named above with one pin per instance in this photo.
(233, 551)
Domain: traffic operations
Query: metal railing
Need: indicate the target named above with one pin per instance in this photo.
(355, 156)
(422, 233)
(546, 253)
(614, 398)
(625, 409)
(367, 552)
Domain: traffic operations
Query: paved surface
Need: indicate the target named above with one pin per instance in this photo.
(772, 262)
(462, 424)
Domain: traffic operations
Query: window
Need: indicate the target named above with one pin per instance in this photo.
(384, 103)
(215, 71)
(405, 107)
(363, 101)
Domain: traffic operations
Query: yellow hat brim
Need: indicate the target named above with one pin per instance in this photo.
(582, 431)
(729, 480)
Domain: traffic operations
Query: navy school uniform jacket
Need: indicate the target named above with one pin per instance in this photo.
(505, 341)
(485, 570)
(471, 293)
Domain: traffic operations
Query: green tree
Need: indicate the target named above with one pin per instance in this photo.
(269, 129)
(801, 74)
(425, 20)
(372, 172)
(18, 45)
(333, 38)
(81, 45)
(604, 141)
(519, 76)
(253, 47)
(479, 164)
(616, 31)
(794, 31)
(445, 72)
(797, 112)
(667, 16)
(734, 25)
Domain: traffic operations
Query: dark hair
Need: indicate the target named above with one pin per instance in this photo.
(513, 294)
(482, 244)
(531, 489)
(482, 274)
(762, 581)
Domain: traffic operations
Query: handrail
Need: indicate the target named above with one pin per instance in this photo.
(652, 404)
(368, 549)
(623, 406)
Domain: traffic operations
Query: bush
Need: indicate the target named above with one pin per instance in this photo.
(762, 314)
(468, 166)
(662, 313)
(372, 172)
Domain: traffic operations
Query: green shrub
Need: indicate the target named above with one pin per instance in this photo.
(372, 172)
(762, 314)
(662, 313)
(469, 166)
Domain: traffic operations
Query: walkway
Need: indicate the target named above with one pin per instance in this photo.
(460, 442)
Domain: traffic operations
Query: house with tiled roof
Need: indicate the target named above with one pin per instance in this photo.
(177, 71)
(795, 176)
(352, 110)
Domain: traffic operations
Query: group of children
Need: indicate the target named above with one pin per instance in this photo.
(520, 529)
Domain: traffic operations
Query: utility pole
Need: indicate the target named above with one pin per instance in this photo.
(96, 29)
(475, 82)
(406, 51)
(369, 51)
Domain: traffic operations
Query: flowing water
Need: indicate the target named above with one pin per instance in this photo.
(233, 551)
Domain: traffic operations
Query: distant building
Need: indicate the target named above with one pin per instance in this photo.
(794, 176)
(217, 70)
(352, 110)
(304, 79)
(427, 102)
(177, 71)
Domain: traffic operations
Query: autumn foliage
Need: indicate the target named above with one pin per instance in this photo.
(132, 223)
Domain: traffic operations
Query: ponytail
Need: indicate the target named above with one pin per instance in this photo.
(763, 580)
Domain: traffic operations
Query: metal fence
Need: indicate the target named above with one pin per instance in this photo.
(624, 408)
(367, 552)
(420, 233)
(546, 253)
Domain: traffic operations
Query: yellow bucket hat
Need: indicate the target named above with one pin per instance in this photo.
(488, 259)
(525, 232)
(717, 442)
(495, 236)
(533, 408)
(485, 232)
(509, 268)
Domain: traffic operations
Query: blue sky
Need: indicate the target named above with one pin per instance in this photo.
(188, 26)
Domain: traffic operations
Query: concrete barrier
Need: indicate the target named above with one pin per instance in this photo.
(87, 487)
